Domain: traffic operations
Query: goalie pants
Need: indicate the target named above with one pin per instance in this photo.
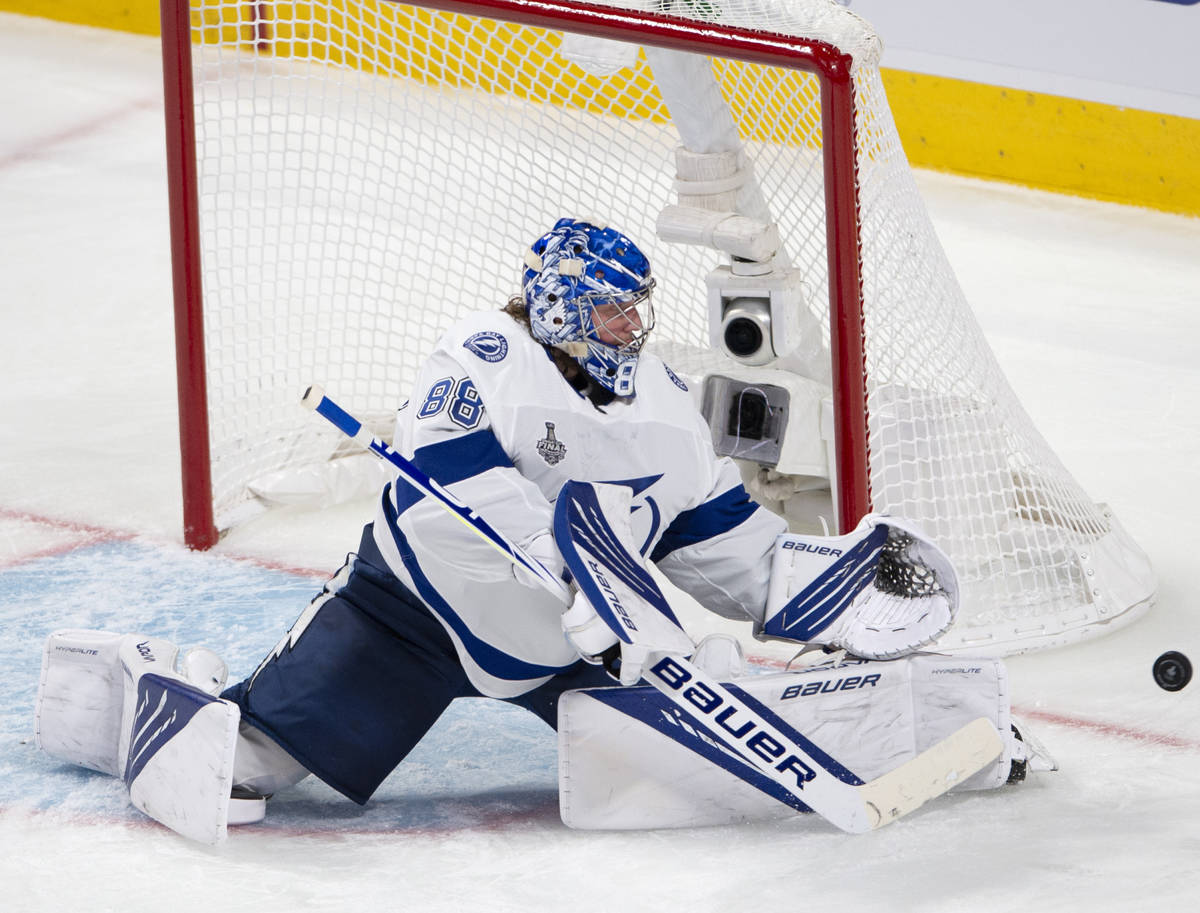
(352, 692)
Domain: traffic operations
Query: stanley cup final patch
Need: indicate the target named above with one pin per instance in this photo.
(550, 448)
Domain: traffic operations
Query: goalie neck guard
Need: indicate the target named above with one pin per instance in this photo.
(587, 290)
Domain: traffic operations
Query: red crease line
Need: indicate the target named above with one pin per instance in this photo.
(88, 534)
(1099, 727)
(38, 148)
(86, 529)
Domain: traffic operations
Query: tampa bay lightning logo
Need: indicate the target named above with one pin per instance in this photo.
(675, 379)
(488, 345)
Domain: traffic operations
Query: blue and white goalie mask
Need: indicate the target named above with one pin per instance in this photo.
(587, 291)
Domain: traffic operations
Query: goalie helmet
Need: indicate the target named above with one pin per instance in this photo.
(587, 291)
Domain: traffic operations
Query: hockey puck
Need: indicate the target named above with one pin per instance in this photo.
(1172, 671)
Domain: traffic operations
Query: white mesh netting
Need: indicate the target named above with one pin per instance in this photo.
(370, 171)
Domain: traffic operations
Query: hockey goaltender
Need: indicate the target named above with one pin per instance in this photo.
(549, 419)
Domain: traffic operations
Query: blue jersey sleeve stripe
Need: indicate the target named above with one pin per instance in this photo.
(461, 457)
(712, 518)
(492, 660)
(452, 460)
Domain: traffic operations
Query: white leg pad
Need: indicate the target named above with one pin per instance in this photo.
(77, 717)
(114, 703)
(177, 744)
(624, 760)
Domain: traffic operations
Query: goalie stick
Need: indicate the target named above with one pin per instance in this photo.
(314, 398)
(806, 773)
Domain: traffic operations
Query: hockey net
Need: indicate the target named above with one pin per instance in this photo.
(350, 176)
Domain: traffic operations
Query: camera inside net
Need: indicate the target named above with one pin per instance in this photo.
(746, 330)
(747, 419)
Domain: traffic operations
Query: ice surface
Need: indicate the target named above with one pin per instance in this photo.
(1094, 311)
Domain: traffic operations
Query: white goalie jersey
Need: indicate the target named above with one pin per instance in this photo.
(493, 420)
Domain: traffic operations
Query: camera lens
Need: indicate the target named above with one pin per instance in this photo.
(743, 337)
(748, 416)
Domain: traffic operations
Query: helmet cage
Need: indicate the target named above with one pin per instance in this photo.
(625, 318)
(627, 321)
(587, 291)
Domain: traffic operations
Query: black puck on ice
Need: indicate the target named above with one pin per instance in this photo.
(1172, 671)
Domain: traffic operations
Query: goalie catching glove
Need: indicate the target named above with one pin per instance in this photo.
(880, 592)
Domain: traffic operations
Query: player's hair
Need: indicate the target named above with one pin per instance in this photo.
(516, 309)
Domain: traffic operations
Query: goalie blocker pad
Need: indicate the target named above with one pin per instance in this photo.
(628, 758)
